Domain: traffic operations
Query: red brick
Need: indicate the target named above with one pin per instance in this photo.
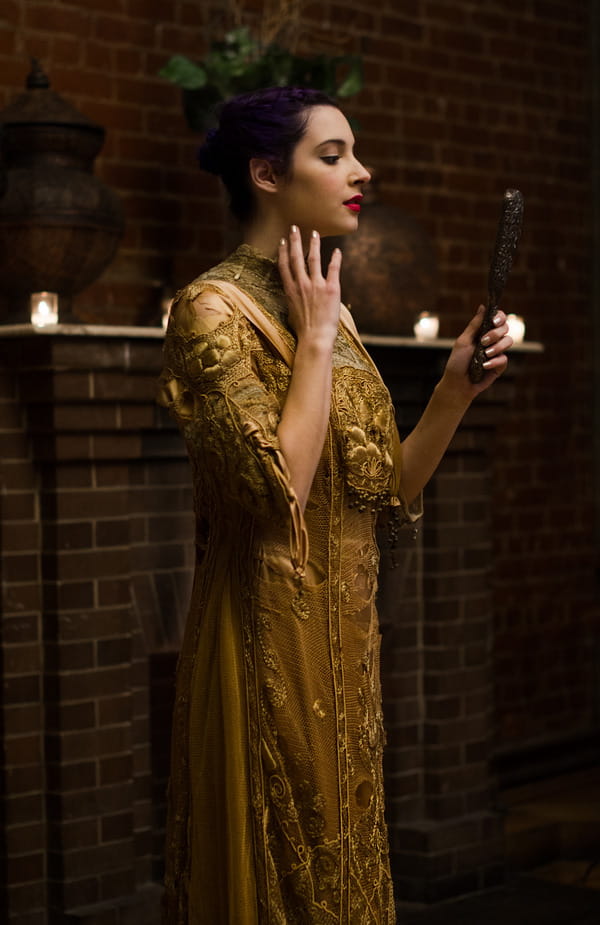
(26, 868)
(82, 892)
(116, 769)
(19, 536)
(22, 719)
(20, 568)
(21, 810)
(114, 651)
(22, 689)
(94, 624)
(120, 446)
(121, 30)
(117, 827)
(114, 592)
(21, 659)
(113, 532)
(114, 709)
(77, 685)
(78, 775)
(70, 564)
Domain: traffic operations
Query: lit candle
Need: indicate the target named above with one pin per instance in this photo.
(426, 326)
(44, 308)
(516, 328)
(166, 308)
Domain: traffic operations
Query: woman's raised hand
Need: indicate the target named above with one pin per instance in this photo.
(496, 342)
(313, 300)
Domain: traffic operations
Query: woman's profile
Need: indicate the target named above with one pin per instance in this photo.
(276, 808)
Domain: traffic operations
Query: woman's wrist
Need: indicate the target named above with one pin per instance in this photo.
(318, 344)
(451, 396)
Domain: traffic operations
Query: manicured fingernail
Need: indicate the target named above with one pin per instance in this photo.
(315, 234)
(487, 364)
(282, 242)
(294, 229)
(485, 339)
(489, 352)
(498, 319)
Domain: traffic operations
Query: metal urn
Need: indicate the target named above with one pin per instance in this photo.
(389, 270)
(60, 226)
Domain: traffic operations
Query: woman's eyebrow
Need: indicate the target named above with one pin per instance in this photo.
(332, 141)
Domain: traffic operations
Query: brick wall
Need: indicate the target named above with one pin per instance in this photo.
(446, 835)
(461, 101)
(93, 597)
(102, 588)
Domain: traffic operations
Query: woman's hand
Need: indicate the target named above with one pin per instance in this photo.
(314, 301)
(496, 342)
(314, 311)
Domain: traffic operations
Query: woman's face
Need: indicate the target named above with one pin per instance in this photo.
(323, 189)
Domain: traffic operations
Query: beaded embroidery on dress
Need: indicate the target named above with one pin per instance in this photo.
(276, 812)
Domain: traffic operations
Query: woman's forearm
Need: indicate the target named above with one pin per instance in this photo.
(305, 416)
(424, 447)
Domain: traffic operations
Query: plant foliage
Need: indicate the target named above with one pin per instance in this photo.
(239, 63)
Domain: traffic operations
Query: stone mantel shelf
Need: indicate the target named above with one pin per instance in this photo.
(156, 333)
(82, 330)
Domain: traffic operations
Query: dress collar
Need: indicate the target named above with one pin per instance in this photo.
(247, 260)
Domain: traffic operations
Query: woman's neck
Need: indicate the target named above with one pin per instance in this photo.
(264, 237)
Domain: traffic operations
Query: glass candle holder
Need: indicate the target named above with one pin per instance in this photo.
(166, 304)
(44, 308)
(516, 328)
(427, 326)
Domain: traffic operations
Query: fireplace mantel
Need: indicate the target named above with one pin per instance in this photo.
(97, 553)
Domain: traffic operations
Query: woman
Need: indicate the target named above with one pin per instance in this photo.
(276, 802)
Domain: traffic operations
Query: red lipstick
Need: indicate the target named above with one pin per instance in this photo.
(354, 203)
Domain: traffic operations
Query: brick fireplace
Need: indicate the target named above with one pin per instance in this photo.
(96, 565)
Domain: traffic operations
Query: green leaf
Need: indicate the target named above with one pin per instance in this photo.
(199, 107)
(241, 40)
(238, 62)
(184, 73)
(353, 81)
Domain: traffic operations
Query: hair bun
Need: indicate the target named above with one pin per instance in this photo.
(210, 154)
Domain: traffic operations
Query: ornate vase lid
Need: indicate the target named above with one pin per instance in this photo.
(40, 105)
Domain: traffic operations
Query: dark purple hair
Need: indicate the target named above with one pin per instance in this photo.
(264, 123)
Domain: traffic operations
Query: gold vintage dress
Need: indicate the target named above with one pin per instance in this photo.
(276, 811)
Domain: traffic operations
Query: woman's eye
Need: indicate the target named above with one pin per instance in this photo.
(331, 158)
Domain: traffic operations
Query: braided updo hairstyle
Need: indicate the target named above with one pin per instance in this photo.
(264, 123)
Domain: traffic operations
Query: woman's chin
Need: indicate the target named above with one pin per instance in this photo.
(334, 231)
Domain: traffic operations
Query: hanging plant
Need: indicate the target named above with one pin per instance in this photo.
(240, 63)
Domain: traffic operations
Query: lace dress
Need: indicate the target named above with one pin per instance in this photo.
(276, 812)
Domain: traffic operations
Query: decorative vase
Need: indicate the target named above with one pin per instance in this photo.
(389, 271)
(59, 225)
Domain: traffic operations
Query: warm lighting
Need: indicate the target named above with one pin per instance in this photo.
(516, 328)
(426, 326)
(166, 304)
(44, 308)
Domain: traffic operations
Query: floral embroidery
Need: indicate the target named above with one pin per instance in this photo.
(366, 419)
(300, 659)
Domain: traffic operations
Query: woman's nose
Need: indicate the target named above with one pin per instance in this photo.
(362, 174)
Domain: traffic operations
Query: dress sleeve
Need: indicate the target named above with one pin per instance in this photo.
(228, 415)
(409, 512)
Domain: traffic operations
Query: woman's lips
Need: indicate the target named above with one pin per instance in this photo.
(353, 205)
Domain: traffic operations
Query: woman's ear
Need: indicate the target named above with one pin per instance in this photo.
(263, 175)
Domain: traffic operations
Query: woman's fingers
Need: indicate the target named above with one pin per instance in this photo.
(505, 342)
(283, 259)
(314, 255)
(335, 264)
(296, 252)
